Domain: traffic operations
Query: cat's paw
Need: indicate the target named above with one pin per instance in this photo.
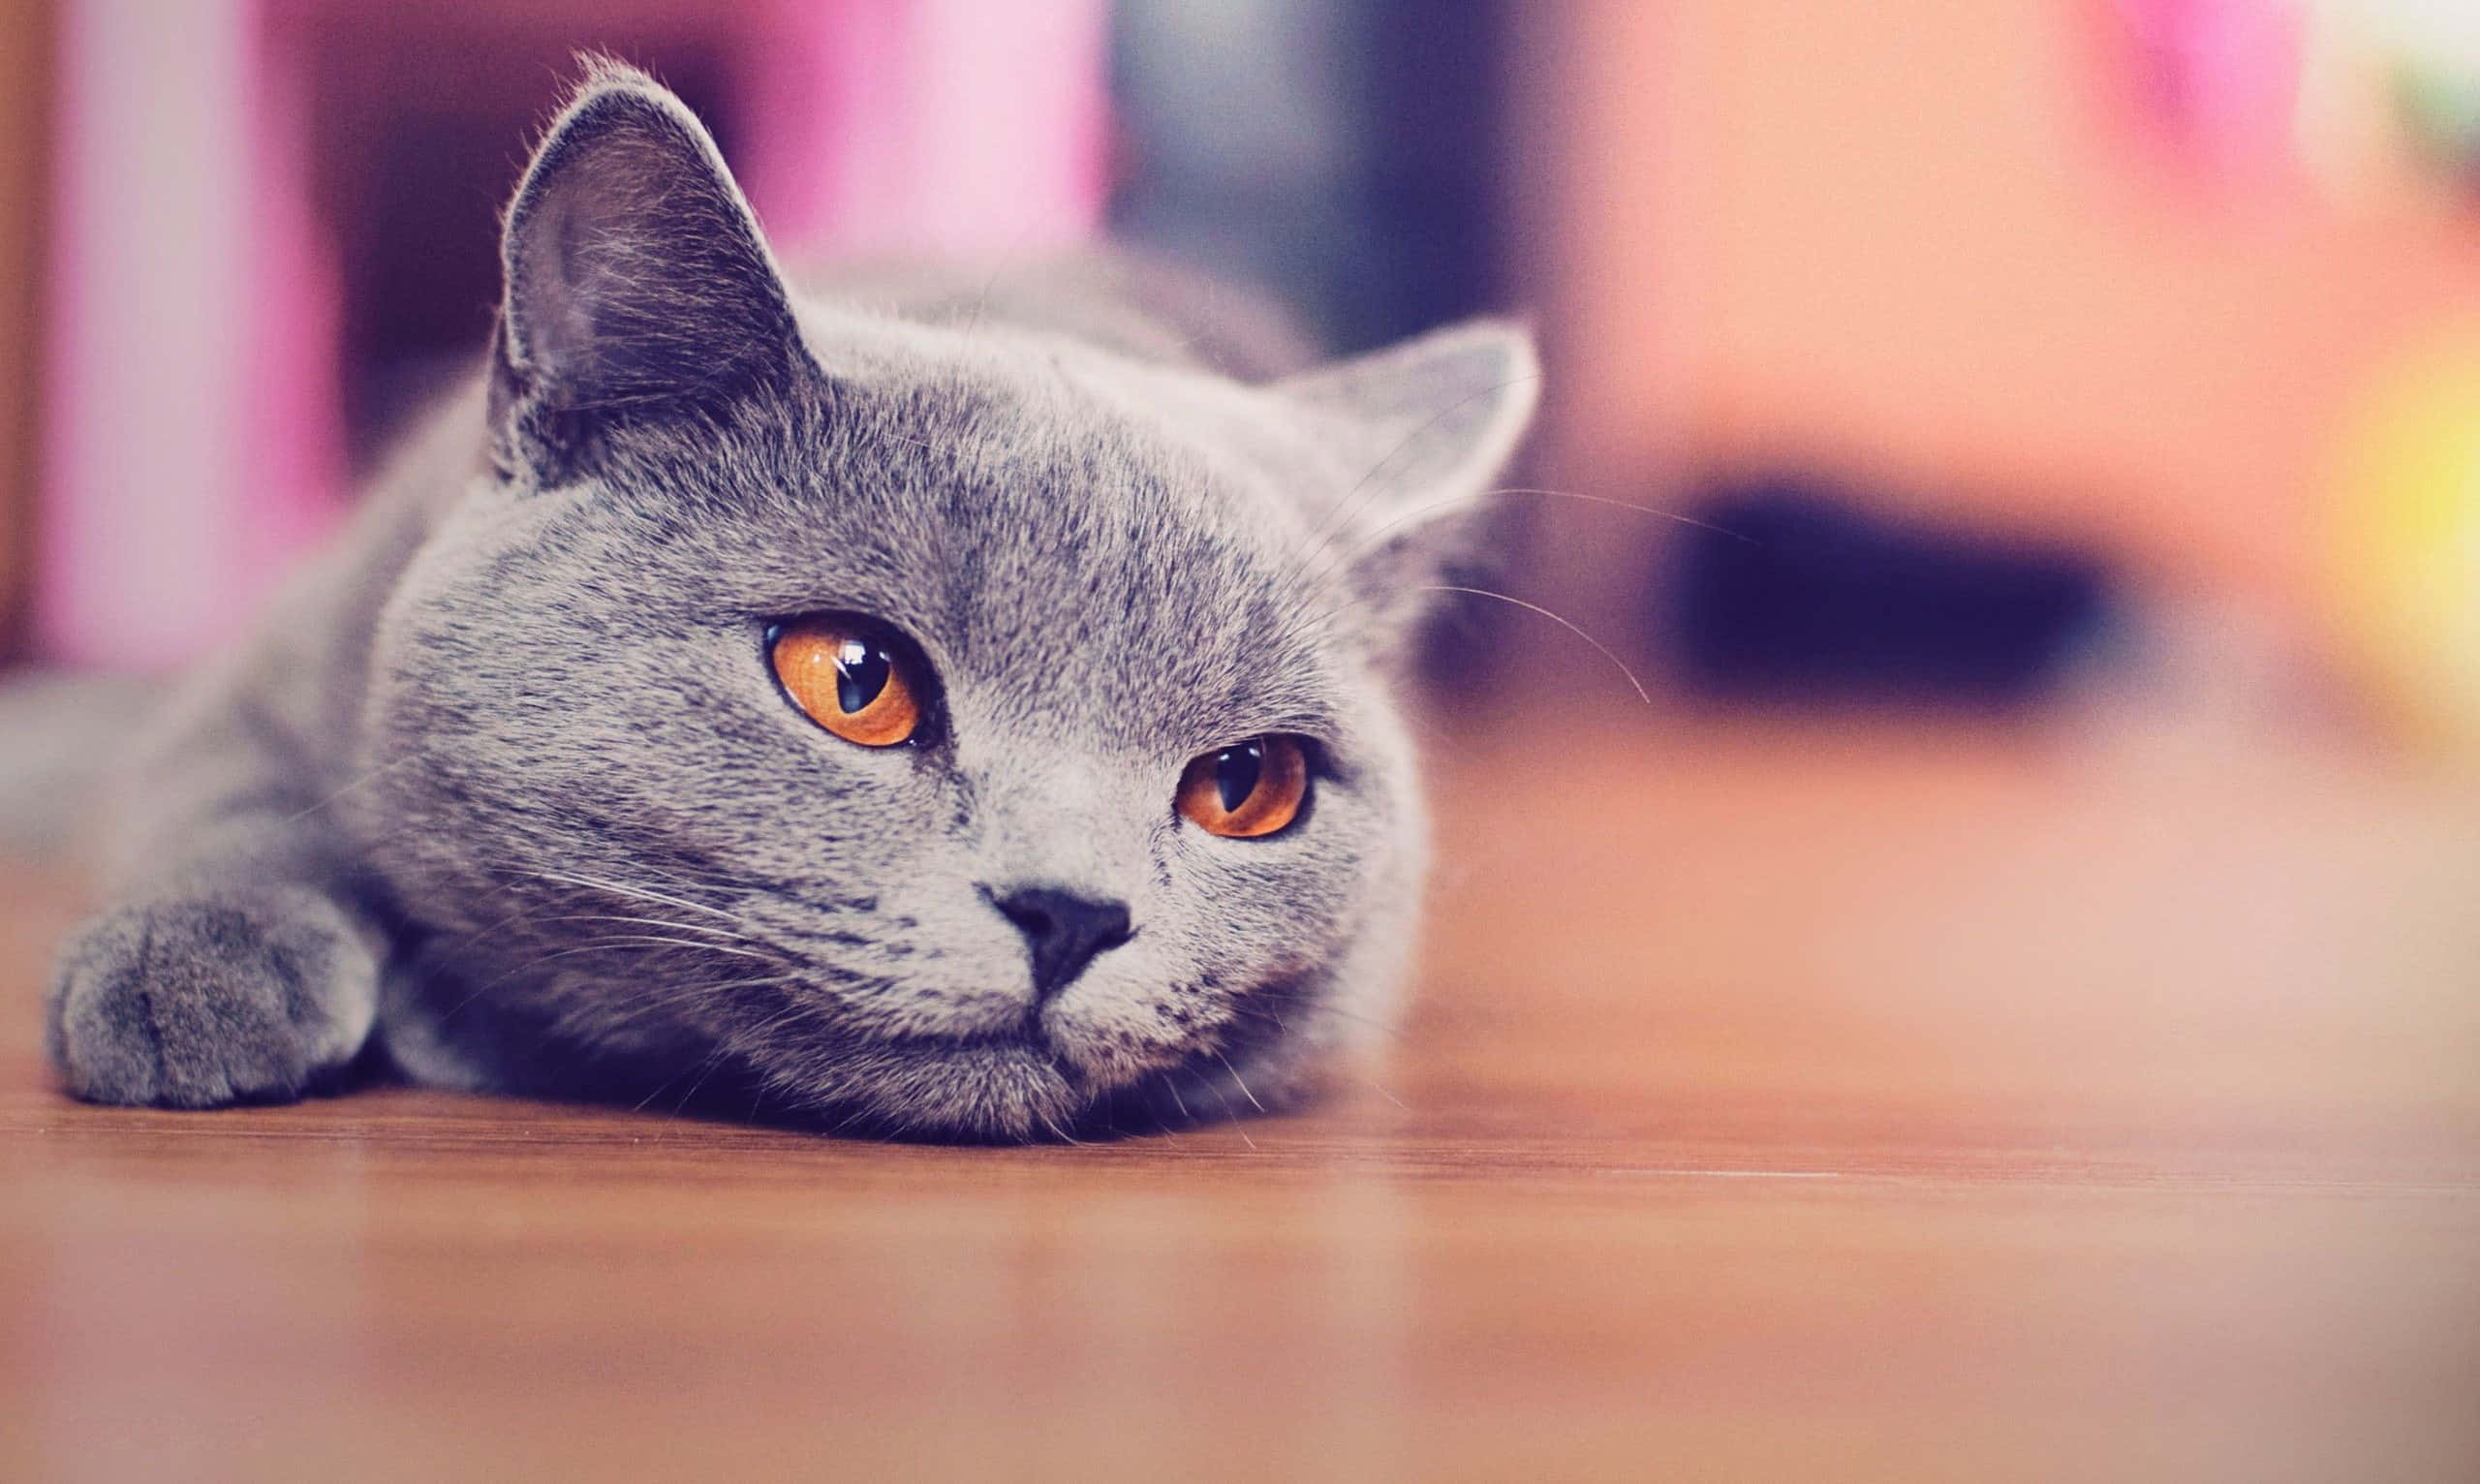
(247, 994)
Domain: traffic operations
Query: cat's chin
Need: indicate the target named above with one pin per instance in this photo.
(1032, 1088)
(978, 1091)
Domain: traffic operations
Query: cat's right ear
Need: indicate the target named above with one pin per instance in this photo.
(637, 283)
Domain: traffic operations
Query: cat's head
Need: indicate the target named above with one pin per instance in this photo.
(950, 727)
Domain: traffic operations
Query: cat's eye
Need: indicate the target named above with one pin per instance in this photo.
(1253, 789)
(849, 677)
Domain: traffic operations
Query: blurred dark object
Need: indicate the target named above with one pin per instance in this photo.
(1343, 153)
(25, 46)
(1798, 593)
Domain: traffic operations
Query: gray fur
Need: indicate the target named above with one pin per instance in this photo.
(510, 760)
(53, 730)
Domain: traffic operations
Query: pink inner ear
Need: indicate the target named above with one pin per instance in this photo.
(560, 319)
(192, 437)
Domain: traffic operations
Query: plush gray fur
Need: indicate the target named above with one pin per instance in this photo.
(504, 783)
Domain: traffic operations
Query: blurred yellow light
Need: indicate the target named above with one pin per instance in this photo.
(2407, 551)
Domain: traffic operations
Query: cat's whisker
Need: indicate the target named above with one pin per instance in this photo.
(1605, 650)
(359, 784)
(1383, 1027)
(761, 983)
(663, 999)
(737, 932)
(1339, 558)
(1266, 1017)
(728, 934)
(728, 1047)
(1237, 1082)
(638, 939)
(1626, 504)
(1230, 1115)
(600, 946)
(1319, 534)
(706, 1066)
(639, 1106)
(480, 933)
(989, 286)
(533, 911)
(642, 893)
(674, 873)
(512, 872)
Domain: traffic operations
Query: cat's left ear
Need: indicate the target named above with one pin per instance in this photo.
(1432, 422)
(636, 282)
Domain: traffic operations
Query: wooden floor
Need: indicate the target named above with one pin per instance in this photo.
(1780, 1106)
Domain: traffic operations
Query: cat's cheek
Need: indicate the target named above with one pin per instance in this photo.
(1279, 901)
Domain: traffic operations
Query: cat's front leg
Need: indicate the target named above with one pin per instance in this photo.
(235, 960)
(211, 995)
(239, 956)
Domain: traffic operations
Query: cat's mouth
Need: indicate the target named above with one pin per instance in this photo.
(1023, 1035)
(1054, 1072)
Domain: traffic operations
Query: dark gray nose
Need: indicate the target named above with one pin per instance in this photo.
(1063, 930)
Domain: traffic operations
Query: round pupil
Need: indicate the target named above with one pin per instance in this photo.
(860, 674)
(1235, 773)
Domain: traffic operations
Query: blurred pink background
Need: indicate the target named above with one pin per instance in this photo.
(193, 444)
(2174, 289)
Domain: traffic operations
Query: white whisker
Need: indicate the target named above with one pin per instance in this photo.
(1235, 1078)
(1605, 650)
(640, 892)
(366, 780)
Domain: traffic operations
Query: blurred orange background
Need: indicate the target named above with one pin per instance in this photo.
(1936, 241)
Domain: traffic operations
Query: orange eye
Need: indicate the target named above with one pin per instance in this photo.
(1250, 789)
(846, 678)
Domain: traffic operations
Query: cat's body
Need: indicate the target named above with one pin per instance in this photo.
(504, 784)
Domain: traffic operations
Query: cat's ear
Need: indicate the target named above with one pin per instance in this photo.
(637, 283)
(1429, 424)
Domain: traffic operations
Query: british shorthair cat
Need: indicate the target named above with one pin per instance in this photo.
(947, 714)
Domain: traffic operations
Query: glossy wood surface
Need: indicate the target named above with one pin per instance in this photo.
(1782, 1107)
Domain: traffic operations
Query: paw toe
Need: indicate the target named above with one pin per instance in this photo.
(203, 1001)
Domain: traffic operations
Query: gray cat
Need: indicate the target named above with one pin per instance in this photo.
(952, 718)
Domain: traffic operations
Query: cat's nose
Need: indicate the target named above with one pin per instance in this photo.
(1063, 930)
